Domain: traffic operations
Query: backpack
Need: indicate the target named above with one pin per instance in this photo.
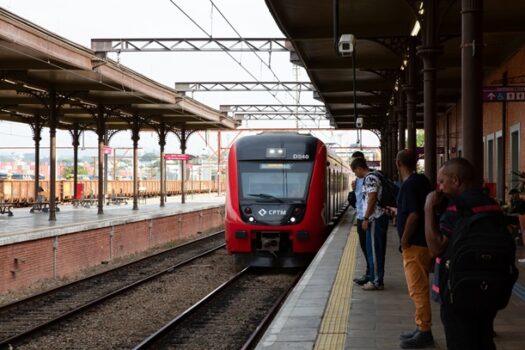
(477, 270)
(389, 191)
(352, 199)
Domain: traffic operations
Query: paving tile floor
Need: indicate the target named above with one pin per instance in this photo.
(37, 224)
(378, 317)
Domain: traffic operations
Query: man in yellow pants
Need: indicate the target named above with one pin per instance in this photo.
(416, 256)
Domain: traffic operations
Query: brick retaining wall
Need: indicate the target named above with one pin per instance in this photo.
(24, 264)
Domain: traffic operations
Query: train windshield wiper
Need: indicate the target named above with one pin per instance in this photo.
(265, 196)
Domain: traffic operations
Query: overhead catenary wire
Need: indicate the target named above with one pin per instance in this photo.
(228, 53)
(251, 48)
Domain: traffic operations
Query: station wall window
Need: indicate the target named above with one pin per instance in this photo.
(514, 154)
(500, 185)
(489, 158)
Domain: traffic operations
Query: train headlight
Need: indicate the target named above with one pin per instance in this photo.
(251, 219)
(297, 210)
(275, 153)
(292, 219)
(248, 210)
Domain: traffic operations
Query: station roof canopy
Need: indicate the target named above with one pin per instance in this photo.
(382, 29)
(34, 62)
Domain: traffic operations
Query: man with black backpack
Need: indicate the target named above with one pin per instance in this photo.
(359, 214)
(475, 269)
(375, 224)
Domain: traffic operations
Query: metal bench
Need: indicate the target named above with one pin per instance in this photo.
(84, 202)
(5, 208)
(117, 200)
(43, 207)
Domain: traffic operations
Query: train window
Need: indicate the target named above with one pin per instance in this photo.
(283, 181)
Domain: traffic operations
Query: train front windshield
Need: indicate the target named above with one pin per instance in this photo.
(274, 181)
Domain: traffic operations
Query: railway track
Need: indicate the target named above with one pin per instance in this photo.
(23, 318)
(231, 317)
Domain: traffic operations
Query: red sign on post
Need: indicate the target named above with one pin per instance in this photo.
(106, 149)
(170, 156)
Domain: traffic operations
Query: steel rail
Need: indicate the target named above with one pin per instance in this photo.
(6, 343)
(265, 322)
(149, 341)
(53, 290)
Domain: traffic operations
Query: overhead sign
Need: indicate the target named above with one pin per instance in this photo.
(106, 149)
(504, 94)
(172, 156)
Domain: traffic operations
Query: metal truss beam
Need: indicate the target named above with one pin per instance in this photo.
(281, 116)
(244, 86)
(190, 44)
(299, 109)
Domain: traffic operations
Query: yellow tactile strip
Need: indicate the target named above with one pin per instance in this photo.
(332, 334)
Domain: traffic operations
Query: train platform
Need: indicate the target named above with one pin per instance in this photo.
(34, 250)
(326, 310)
(24, 225)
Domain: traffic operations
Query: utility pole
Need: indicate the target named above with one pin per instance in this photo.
(114, 164)
(218, 162)
(297, 97)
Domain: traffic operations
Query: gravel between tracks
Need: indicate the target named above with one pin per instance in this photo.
(226, 322)
(125, 321)
(48, 284)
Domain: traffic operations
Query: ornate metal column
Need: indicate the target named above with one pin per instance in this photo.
(389, 149)
(429, 52)
(410, 89)
(183, 135)
(52, 101)
(383, 146)
(53, 121)
(472, 83)
(135, 136)
(75, 134)
(105, 175)
(393, 144)
(162, 133)
(101, 133)
(36, 126)
(400, 111)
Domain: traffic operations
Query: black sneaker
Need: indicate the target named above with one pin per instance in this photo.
(361, 280)
(418, 341)
(408, 335)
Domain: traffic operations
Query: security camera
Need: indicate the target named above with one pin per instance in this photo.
(359, 122)
(346, 44)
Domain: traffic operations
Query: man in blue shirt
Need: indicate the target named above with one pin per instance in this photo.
(375, 223)
(359, 195)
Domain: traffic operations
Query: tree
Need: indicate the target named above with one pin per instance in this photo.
(68, 171)
(148, 157)
(420, 138)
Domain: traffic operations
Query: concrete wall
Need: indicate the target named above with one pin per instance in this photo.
(27, 263)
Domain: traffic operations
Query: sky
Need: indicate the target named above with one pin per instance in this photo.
(80, 21)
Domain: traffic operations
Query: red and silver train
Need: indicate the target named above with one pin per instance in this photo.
(283, 192)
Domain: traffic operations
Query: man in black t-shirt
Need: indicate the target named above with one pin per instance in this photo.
(416, 256)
